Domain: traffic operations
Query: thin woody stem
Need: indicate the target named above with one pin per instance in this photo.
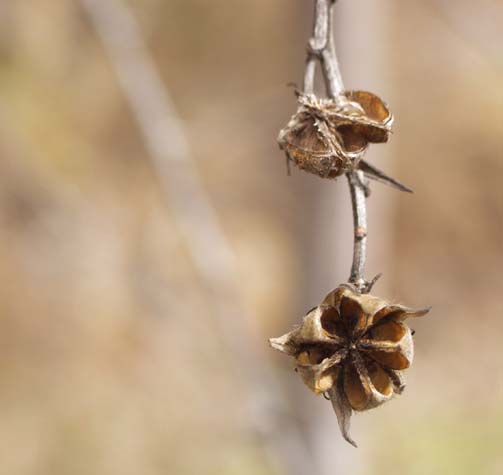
(329, 63)
(317, 43)
(309, 74)
(356, 188)
(322, 47)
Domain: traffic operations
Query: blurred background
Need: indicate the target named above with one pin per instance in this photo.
(151, 240)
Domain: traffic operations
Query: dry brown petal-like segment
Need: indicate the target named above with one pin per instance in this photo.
(380, 379)
(377, 120)
(319, 377)
(364, 119)
(353, 347)
(376, 110)
(390, 343)
(357, 388)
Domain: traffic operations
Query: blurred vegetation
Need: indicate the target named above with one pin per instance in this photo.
(111, 362)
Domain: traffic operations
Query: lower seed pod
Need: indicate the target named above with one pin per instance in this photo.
(354, 348)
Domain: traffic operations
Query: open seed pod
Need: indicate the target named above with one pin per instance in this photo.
(311, 141)
(328, 137)
(354, 348)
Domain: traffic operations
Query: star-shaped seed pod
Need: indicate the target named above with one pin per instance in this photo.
(353, 348)
(328, 137)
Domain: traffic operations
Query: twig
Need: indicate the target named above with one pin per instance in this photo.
(207, 244)
(322, 47)
(330, 65)
(357, 190)
(317, 43)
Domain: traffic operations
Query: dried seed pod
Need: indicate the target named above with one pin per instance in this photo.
(328, 137)
(353, 347)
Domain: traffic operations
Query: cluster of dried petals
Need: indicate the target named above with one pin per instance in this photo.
(328, 137)
(353, 347)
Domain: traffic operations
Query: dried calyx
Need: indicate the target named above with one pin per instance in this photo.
(353, 348)
(328, 137)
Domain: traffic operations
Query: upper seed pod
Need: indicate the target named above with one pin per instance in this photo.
(328, 137)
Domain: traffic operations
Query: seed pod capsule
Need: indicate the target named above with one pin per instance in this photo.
(328, 137)
(353, 347)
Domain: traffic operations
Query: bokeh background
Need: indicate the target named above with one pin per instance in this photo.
(151, 240)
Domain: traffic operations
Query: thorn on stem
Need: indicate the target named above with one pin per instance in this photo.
(371, 284)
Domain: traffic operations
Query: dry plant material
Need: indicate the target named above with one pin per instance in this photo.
(354, 346)
(328, 137)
